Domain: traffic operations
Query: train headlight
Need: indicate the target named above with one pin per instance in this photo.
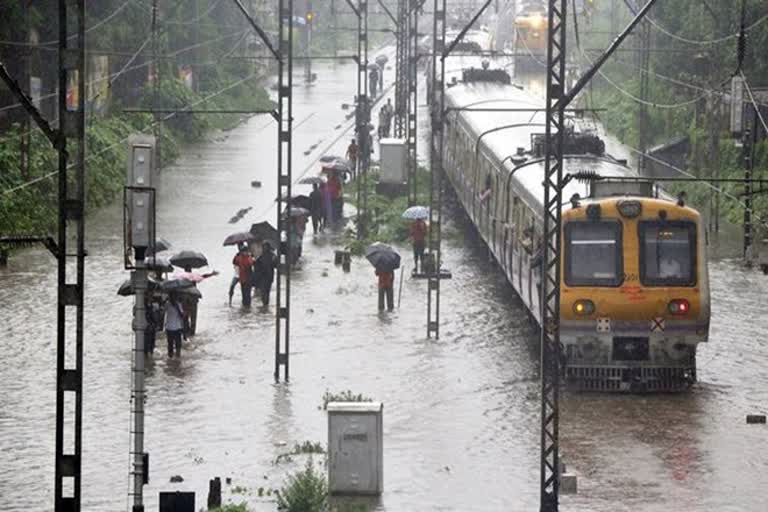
(630, 209)
(679, 307)
(583, 307)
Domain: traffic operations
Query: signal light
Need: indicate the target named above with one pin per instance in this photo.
(584, 307)
(309, 17)
(679, 307)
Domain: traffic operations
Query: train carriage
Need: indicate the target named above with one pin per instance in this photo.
(634, 292)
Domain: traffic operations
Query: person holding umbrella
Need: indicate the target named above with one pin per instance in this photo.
(385, 260)
(418, 233)
(264, 272)
(174, 324)
(316, 208)
(418, 236)
(243, 260)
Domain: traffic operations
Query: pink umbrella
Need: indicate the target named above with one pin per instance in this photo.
(194, 276)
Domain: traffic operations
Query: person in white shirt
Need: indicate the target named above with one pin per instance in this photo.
(174, 325)
(669, 267)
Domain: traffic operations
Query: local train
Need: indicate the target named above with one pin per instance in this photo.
(530, 24)
(634, 291)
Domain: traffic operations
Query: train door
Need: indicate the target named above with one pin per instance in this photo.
(516, 248)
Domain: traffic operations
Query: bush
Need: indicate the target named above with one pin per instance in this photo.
(307, 491)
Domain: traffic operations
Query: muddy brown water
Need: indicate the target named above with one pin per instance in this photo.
(461, 413)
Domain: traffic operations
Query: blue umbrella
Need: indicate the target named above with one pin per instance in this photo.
(416, 212)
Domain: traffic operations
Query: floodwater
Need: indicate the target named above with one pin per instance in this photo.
(461, 415)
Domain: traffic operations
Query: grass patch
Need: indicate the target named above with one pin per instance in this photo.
(307, 447)
(306, 491)
(344, 396)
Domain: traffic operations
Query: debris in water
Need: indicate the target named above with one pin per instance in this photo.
(256, 184)
(175, 479)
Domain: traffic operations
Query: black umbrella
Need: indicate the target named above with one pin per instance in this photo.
(264, 231)
(381, 60)
(173, 285)
(158, 264)
(239, 238)
(161, 244)
(382, 257)
(191, 292)
(312, 180)
(330, 158)
(189, 259)
(297, 211)
(126, 289)
(302, 201)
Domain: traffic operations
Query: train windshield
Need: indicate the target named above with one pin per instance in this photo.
(593, 253)
(668, 253)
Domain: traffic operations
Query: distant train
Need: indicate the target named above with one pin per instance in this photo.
(635, 298)
(530, 26)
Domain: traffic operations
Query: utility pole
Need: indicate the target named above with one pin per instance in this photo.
(157, 127)
(401, 68)
(71, 231)
(643, 118)
(140, 238)
(748, 153)
(440, 52)
(556, 103)
(413, 97)
(70, 142)
(362, 117)
(309, 17)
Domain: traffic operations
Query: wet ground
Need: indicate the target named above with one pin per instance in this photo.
(461, 414)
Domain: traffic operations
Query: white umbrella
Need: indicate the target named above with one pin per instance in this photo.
(416, 212)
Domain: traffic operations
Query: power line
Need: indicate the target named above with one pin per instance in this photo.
(645, 102)
(73, 36)
(139, 66)
(150, 125)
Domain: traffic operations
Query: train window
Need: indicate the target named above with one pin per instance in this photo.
(593, 255)
(667, 253)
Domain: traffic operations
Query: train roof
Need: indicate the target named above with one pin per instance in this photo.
(498, 135)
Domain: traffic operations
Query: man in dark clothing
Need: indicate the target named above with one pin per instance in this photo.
(316, 208)
(244, 261)
(418, 235)
(373, 81)
(264, 272)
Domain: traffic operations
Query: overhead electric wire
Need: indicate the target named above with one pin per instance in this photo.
(73, 36)
(642, 101)
(707, 42)
(120, 142)
(139, 66)
(754, 103)
(702, 181)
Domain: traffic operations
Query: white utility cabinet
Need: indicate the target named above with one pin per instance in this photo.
(355, 448)
(394, 160)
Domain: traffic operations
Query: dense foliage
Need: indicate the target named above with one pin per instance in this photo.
(693, 57)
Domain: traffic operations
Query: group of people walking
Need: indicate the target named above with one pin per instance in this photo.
(254, 272)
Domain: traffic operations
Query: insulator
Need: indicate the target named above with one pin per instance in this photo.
(586, 176)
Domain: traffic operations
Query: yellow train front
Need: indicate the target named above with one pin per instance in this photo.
(634, 293)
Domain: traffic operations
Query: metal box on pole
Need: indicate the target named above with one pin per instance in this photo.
(141, 166)
(355, 448)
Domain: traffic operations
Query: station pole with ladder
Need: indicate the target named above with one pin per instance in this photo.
(284, 118)
(413, 105)
(439, 52)
(401, 69)
(436, 167)
(362, 116)
(283, 115)
(557, 100)
(71, 147)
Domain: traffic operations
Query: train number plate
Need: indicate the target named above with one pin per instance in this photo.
(603, 325)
